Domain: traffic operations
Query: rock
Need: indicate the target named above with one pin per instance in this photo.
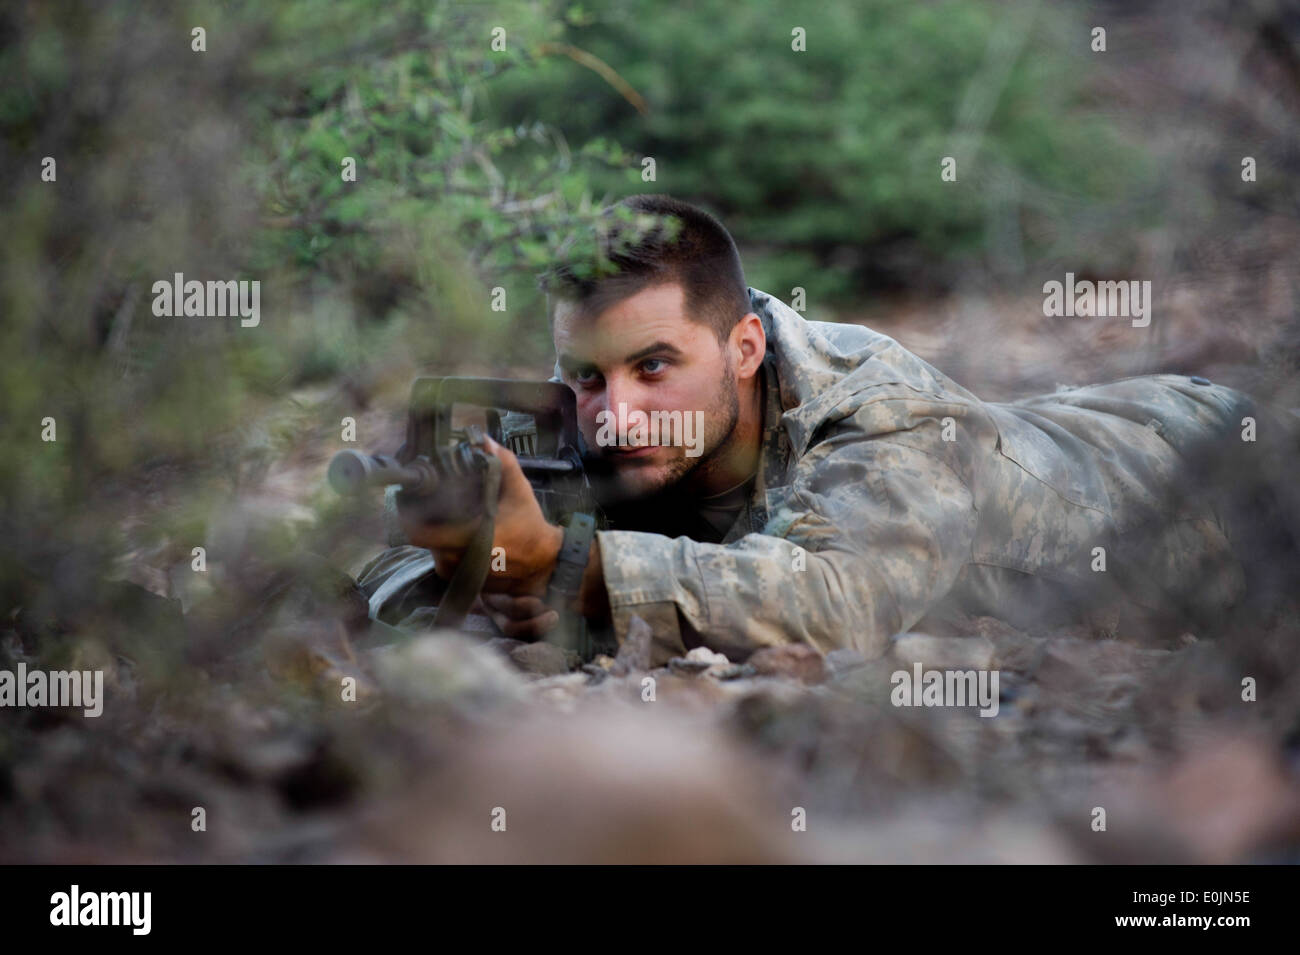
(700, 660)
(620, 786)
(797, 661)
(942, 653)
(687, 666)
(734, 671)
(561, 690)
(541, 659)
(705, 655)
(268, 758)
(445, 667)
(1074, 663)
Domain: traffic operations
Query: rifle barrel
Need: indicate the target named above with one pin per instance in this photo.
(351, 472)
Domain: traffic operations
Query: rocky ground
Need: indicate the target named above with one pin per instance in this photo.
(460, 749)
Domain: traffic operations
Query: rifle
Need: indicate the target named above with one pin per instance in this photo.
(445, 477)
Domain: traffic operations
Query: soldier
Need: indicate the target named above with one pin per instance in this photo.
(841, 489)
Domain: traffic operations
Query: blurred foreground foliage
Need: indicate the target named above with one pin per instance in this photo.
(227, 164)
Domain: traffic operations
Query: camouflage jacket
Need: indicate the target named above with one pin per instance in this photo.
(887, 492)
(889, 498)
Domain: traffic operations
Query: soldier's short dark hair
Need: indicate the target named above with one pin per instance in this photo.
(647, 240)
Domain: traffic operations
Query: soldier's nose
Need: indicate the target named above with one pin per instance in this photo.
(616, 393)
(622, 404)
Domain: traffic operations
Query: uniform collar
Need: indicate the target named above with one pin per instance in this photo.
(774, 456)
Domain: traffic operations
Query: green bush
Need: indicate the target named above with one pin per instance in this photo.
(834, 153)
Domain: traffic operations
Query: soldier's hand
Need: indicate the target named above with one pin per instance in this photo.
(523, 618)
(529, 544)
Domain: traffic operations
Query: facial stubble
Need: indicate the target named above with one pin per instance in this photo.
(683, 471)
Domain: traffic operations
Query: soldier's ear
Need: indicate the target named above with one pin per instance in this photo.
(748, 342)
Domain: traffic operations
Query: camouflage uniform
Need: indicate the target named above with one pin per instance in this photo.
(864, 519)
(888, 497)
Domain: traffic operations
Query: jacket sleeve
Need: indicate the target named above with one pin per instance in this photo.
(870, 532)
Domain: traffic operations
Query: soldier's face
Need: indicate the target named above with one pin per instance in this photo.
(656, 391)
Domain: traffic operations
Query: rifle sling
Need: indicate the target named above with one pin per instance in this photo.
(467, 581)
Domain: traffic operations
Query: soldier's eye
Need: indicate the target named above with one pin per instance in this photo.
(586, 376)
(658, 365)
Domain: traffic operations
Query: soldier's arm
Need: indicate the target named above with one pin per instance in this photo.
(868, 536)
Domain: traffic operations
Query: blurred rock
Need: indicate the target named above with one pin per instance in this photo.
(561, 690)
(540, 659)
(618, 785)
(446, 667)
(707, 656)
(796, 661)
(1062, 660)
(708, 662)
(1228, 800)
(735, 671)
(686, 666)
(942, 653)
